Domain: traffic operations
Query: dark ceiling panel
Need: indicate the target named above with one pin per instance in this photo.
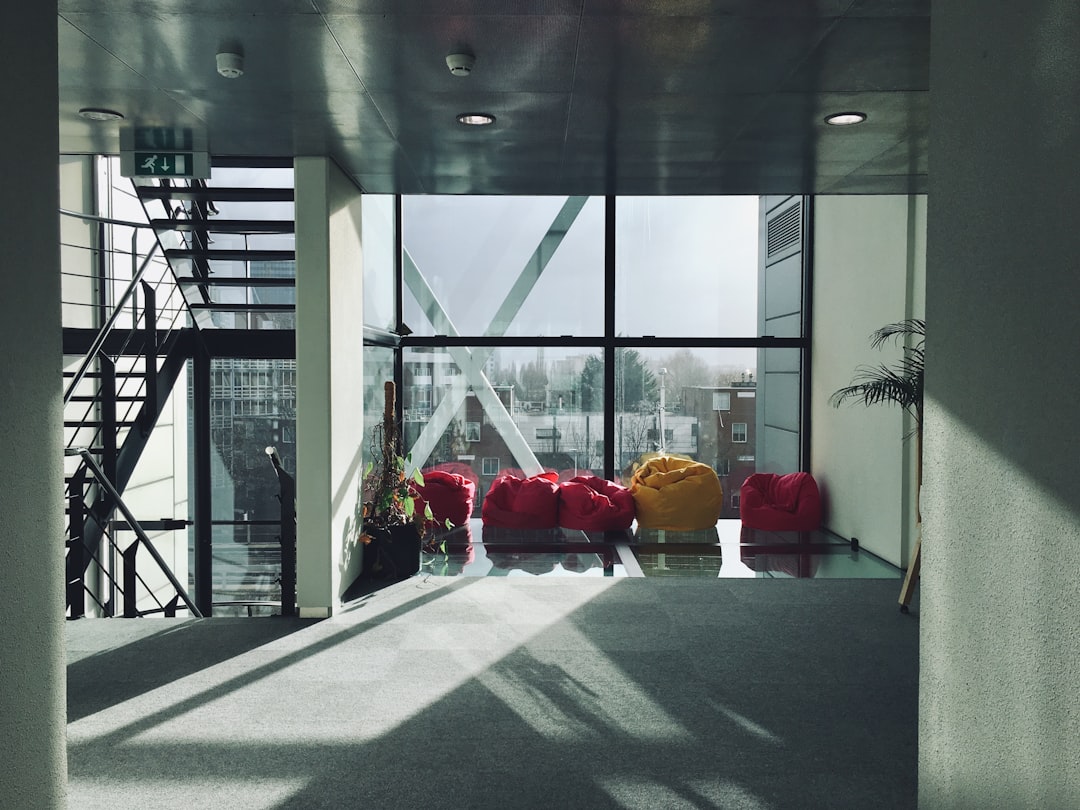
(692, 56)
(710, 8)
(407, 54)
(591, 96)
(881, 54)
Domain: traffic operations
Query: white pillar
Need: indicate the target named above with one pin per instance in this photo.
(330, 382)
(999, 713)
(33, 758)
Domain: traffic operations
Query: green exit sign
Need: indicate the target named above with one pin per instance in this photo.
(164, 164)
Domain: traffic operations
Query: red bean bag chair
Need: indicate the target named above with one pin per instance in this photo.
(780, 503)
(522, 503)
(591, 504)
(677, 494)
(450, 496)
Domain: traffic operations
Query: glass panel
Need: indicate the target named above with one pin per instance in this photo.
(247, 569)
(377, 234)
(686, 266)
(480, 412)
(709, 412)
(378, 369)
(252, 407)
(496, 266)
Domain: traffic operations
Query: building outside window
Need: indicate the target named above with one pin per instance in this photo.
(738, 432)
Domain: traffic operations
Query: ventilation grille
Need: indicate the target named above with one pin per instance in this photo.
(784, 230)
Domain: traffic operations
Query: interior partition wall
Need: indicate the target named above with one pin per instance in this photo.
(580, 334)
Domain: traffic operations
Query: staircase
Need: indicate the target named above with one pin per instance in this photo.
(112, 401)
(229, 264)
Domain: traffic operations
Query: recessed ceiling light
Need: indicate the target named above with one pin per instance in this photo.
(476, 119)
(100, 114)
(845, 119)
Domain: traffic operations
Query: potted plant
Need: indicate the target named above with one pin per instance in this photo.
(394, 524)
(901, 384)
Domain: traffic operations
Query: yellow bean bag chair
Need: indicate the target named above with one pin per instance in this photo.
(676, 494)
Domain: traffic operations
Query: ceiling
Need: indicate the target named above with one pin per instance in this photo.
(632, 97)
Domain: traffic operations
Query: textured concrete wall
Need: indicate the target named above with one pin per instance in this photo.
(869, 270)
(999, 723)
(33, 764)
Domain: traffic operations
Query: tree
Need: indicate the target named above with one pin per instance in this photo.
(592, 384)
(685, 369)
(534, 379)
(635, 384)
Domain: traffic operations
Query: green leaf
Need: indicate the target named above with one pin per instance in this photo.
(418, 476)
(428, 514)
(410, 508)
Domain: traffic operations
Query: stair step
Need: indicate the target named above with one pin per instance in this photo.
(242, 307)
(232, 255)
(217, 194)
(226, 225)
(121, 398)
(96, 423)
(95, 375)
(246, 281)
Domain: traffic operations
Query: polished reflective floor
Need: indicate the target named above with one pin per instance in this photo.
(726, 551)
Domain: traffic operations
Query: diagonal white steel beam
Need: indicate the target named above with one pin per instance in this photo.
(472, 362)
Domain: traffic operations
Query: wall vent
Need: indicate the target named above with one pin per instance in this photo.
(784, 230)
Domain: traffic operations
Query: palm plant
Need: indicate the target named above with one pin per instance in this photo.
(899, 385)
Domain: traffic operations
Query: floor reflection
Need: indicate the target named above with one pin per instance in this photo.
(726, 551)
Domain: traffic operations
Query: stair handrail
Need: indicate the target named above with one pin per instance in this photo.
(136, 277)
(103, 480)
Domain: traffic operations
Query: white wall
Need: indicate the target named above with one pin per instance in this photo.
(869, 270)
(158, 488)
(329, 351)
(999, 674)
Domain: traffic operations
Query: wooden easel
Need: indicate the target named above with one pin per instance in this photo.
(912, 573)
(908, 588)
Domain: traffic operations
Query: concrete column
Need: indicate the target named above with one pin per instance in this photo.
(330, 383)
(999, 722)
(33, 763)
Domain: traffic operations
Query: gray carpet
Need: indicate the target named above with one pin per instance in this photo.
(509, 693)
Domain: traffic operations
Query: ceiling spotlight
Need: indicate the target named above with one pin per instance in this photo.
(845, 119)
(460, 64)
(100, 114)
(476, 119)
(230, 64)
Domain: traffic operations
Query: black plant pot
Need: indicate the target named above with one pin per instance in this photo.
(393, 554)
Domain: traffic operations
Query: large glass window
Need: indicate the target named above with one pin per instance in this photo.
(502, 294)
(523, 410)
(378, 228)
(503, 266)
(686, 266)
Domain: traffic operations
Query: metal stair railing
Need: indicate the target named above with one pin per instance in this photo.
(130, 574)
(124, 399)
(133, 389)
